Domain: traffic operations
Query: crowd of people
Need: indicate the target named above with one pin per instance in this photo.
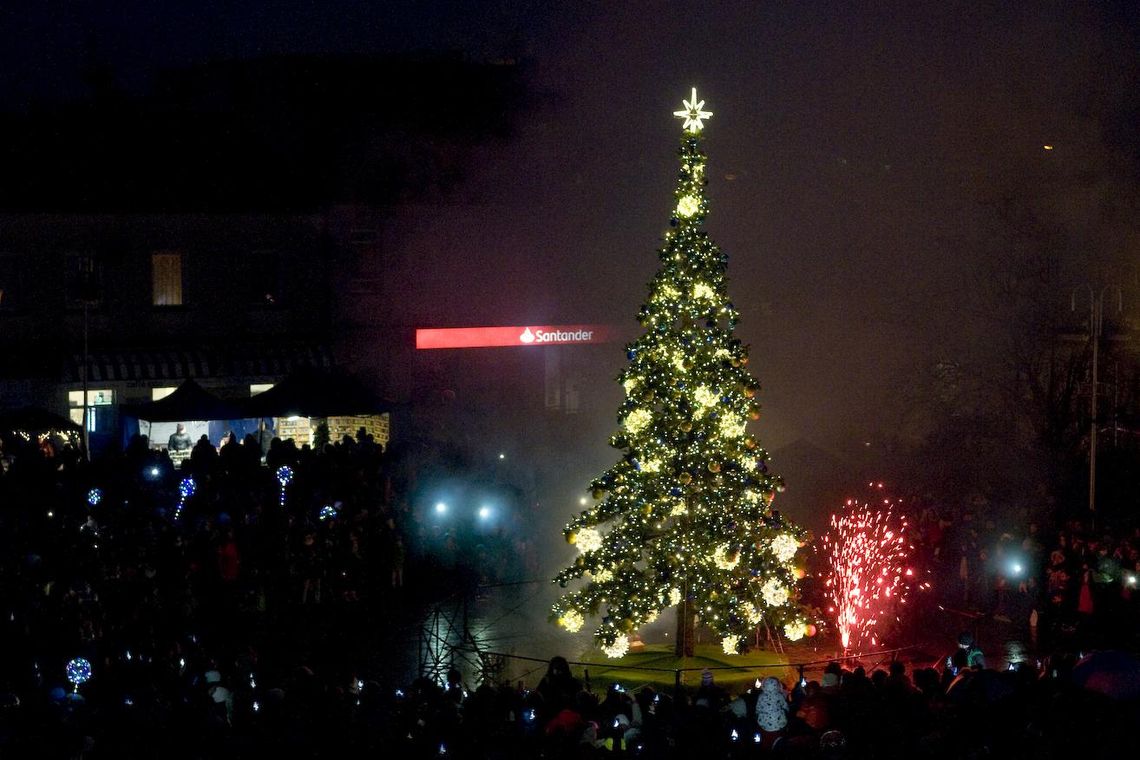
(1057, 586)
(959, 711)
(198, 592)
(251, 615)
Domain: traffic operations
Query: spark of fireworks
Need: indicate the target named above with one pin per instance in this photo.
(866, 550)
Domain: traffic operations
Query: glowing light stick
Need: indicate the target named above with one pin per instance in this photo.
(284, 476)
(185, 490)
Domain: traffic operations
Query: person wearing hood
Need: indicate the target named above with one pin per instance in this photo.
(771, 711)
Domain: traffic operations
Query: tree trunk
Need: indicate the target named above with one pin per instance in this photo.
(686, 626)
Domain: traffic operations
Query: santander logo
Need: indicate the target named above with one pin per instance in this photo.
(547, 335)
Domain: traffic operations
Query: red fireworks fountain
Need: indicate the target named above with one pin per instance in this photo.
(866, 550)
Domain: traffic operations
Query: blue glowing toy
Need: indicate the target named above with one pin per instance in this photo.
(284, 475)
(185, 490)
(328, 512)
(78, 671)
(94, 496)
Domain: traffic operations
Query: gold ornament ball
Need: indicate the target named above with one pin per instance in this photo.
(685, 478)
(754, 414)
(572, 538)
(750, 442)
(598, 493)
(686, 426)
(749, 392)
(714, 466)
(811, 630)
(800, 573)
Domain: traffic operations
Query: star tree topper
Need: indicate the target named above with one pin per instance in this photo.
(693, 115)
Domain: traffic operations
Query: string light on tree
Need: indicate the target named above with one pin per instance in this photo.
(684, 518)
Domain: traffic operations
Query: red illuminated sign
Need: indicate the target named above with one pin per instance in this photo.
(527, 335)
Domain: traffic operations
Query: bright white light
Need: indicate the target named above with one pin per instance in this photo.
(484, 512)
(154, 472)
(582, 501)
(440, 508)
(692, 114)
(502, 456)
(1017, 568)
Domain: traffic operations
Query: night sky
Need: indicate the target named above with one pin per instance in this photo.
(873, 165)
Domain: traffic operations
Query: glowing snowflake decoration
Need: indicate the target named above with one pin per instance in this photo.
(785, 547)
(732, 426)
(674, 597)
(703, 292)
(589, 539)
(679, 363)
(794, 631)
(752, 615)
(668, 291)
(638, 420)
(651, 465)
(618, 648)
(678, 509)
(687, 206)
(729, 643)
(705, 396)
(692, 114)
(752, 495)
(603, 576)
(629, 384)
(775, 593)
(722, 559)
(571, 620)
(651, 617)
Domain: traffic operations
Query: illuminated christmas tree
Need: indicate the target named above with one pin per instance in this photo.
(685, 517)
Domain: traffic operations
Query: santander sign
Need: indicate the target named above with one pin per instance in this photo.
(528, 335)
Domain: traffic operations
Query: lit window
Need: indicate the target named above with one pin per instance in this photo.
(166, 271)
(256, 388)
(160, 393)
(102, 397)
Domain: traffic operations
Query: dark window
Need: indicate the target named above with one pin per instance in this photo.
(263, 281)
(11, 280)
(82, 279)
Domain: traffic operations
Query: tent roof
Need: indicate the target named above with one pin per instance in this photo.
(189, 401)
(33, 420)
(315, 393)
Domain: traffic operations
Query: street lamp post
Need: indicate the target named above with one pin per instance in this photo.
(1096, 330)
